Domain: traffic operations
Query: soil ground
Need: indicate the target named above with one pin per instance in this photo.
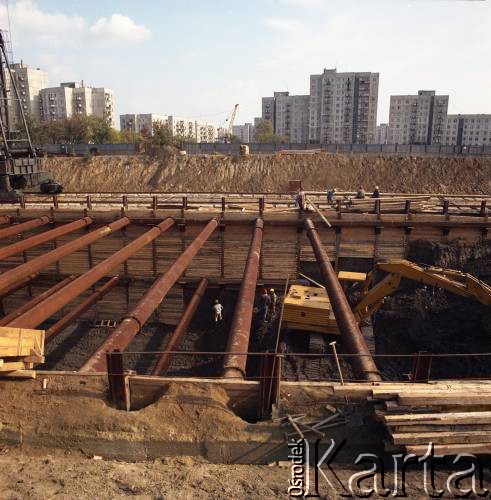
(266, 173)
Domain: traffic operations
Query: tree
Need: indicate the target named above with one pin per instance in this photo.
(162, 135)
(264, 132)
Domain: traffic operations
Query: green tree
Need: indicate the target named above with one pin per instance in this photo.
(162, 135)
(264, 132)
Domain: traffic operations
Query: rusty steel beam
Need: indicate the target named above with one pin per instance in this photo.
(234, 364)
(36, 300)
(4, 219)
(38, 263)
(351, 335)
(80, 309)
(58, 300)
(133, 323)
(38, 239)
(175, 339)
(24, 226)
(18, 285)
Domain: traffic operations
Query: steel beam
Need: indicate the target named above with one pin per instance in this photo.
(18, 285)
(351, 335)
(80, 309)
(133, 323)
(58, 300)
(176, 337)
(14, 229)
(234, 364)
(38, 239)
(36, 300)
(38, 263)
(4, 219)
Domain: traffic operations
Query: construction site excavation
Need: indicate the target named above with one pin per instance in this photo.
(220, 326)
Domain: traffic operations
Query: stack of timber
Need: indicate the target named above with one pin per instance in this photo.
(455, 417)
(20, 349)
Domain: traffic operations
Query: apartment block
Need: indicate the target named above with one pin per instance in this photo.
(468, 130)
(343, 107)
(382, 133)
(418, 119)
(245, 133)
(179, 127)
(29, 82)
(289, 115)
(141, 123)
(73, 98)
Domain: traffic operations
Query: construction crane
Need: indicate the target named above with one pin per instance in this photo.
(231, 121)
(19, 165)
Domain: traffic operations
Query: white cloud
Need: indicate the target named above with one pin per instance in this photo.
(119, 29)
(284, 25)
(303, 3)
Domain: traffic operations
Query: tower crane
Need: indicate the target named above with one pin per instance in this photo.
(231, 121)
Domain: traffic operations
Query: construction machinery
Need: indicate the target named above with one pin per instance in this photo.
(308, 309)
(20, 167)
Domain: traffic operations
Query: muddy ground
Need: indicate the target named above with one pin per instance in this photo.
(266, 173)
(41, 475)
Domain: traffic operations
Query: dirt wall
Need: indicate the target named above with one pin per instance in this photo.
(259, 173)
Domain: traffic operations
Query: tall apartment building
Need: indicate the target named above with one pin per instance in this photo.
(29, 81)
(245, 133)
(468, 130)
(72, 98)
(343, 107)
(382, 133)
(289, 115)
(179, 127)
(418, 119)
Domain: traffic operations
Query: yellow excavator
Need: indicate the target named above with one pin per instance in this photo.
(308, 309)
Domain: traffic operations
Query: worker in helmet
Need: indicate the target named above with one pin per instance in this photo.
(274, 301)
(218, 310)
(330, 195)
(265, 301)
(376, 193)
(360, 194)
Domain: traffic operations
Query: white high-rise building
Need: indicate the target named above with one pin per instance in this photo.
(245, 133)
(29, 82)
(382, 133)
(417, 119)
(468, 130)
(343, 107)
(289, 115)
(72, 98)
(141, 123)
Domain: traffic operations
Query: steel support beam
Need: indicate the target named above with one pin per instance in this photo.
(38, 263)
(58, 300)
(177, 335)
(38, 239)
(80, 309)
(351, 336)
(133, 323)
(234, 364)
(36, 300)
(24, 226)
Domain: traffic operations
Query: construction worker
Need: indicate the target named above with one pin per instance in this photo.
(330, 195)
(360, 195)
(265, 304)
(274, 301)
(376, 193)
(218, 310)
(300, 199)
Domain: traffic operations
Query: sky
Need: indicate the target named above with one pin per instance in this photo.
(197, 58)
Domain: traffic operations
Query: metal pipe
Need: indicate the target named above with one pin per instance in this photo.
(38, 263)
(351, 335)
(80, 309)
(175, 339)
(234, 365)
(58, 300)
(18, 285)
(38, 239)
(36, 300)
(133, 323)
(24, 226)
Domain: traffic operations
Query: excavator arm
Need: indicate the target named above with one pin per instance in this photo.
(463, 284)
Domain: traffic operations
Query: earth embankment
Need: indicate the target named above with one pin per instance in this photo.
(269, 173)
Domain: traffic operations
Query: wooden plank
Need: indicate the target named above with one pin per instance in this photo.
(452, 449)
(466, 437)
(483, 417)
(441, 427)
(12, 366)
